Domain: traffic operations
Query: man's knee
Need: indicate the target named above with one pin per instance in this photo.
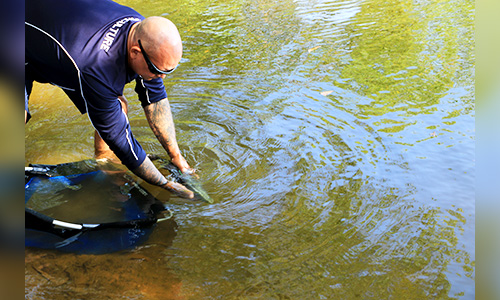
(27, 114)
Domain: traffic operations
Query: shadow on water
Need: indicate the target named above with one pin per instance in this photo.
(336, 138)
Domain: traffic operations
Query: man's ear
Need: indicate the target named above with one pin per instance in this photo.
(135, 51)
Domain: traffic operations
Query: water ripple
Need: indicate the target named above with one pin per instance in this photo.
(337, 140)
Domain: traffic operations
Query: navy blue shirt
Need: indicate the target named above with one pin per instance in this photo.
(81, 46)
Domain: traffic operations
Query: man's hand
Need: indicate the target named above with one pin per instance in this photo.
(148, 172)
(181, 163)
(179, 189)
(183, 166)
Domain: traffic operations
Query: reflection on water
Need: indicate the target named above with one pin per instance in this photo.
(336, 138)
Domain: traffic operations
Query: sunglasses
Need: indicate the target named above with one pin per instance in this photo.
(152, 68)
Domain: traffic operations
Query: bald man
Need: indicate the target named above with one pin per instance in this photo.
(91, 49)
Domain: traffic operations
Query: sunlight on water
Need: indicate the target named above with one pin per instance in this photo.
(336, 138)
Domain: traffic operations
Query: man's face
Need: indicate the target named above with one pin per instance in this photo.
(153, 64)
(153, 69)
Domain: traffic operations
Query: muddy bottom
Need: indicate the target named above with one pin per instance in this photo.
(142, 273)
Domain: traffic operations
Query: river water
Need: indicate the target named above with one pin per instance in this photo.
(335, 137)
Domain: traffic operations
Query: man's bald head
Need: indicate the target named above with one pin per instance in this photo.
(160, 39)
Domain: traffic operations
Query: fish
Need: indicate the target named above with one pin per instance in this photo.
(189, 181)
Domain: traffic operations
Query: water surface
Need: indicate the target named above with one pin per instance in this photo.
(335, 137)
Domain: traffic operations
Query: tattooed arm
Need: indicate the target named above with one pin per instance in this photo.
(160, 120)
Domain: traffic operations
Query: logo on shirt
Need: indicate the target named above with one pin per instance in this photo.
(110, 35)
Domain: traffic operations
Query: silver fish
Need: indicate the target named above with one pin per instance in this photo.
(189, 181)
